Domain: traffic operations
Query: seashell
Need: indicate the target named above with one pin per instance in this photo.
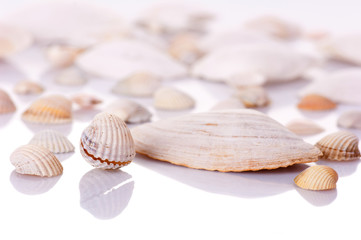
(184, 48)
(339, 146)
(61, 56)
(52, 140)
(139, 84)
(318, 177)
(70, 77)
(86, 100)
(304, 127)
(228, 140)
(231, 103)
(129, 111)
(350, 119)
(167, 98)
(13, 40)
(107, 142)
(52, 109)
(133, 56)
(35, 160)
(26, 87)
(253, 96)
(315, 102)
(6, 104)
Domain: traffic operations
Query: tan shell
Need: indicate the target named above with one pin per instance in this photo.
(350, 119)
(85, 100)
(318, 177)
(251, 97)
(315, 102)
(6, 104)
(141, 84)
(52, 109)
(13, 40)
(26, 87)
(339, 146)
(70, 77)
(304, 127)
(229, 140)
(61, 56)
(52, 140)
(184, 47)
(167, 98)
(107, 142)
(231, 103)
(36, 160)
(129, 111)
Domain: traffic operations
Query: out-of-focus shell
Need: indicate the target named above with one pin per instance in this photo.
(229, 140)
(185, 48)
(318, 177)
(167, 98)
(61, 56)
(315, 102)
(107, 142)
(339, 146)
(85, 100)
(252, 97)
(52, 109)
(26, 87)
(350, 119)
(70, 77)
(36, 160)
(304, 127)
(129, 111)
(6, 104)
(52, 140)
(13, 40)
(231, 103)
(140, 84)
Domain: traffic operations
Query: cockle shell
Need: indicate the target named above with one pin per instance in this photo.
(167, 98)
(13, 40)
(317, 177)
(184, 47)
(107, 142)
(52, 109)
(252, 96)
(231, 103)
(85, 100)
(26, 87)
(339, 146)
(229, 140)
(6, 104)
(129, 111)
(70, 77)
(315, 102)
(304, 127)
(61, 56)
(52, 140)
(36, 160)
(350, 119)
(139, 84)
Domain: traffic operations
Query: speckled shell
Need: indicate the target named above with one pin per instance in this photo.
(28, 87)
(231, 103)
(167, 98)
(52, 140)
(107, 142)
(315, 102)
(304, 127)
(350, 119)
(61, 56)
(129, 111)
(228, 140)
(252, 97)
(317, 177)
(13, 40)
(85, 100)
(36, 160)
(339, 146)
(52, 109)
(70, 77)
(6, 104)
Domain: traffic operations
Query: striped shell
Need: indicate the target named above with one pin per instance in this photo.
(339, 146)
(107, 142)
(304, 127)
(350, 119)
(36, 160)
(167, 98)
(70, 77)
(318, 177)
(52, 140)
(28, 87)
(6, 104)
(52, 109)
(316, 102)
(129, 111)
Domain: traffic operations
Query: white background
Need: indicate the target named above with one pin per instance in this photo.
(154, 200)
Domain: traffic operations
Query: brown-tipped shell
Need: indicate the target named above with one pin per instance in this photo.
(339, 146)
(317, 177)
(129, 111)
(6, 104)
(350, 119)
(52, 140)
(28, 87)
(36, 160)
(167, 98)
(315, 102)
(52, 109)
(304, 127)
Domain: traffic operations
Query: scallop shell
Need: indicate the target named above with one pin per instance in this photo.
(129, 111)
(315, 102)
(231, 103)
(350, 119)
(13, 40)
(140, 84)
(36, 160)
(317, 177)
(61, 56)
(52, 140)
(167, 98)
(107, 142)
(339, 146)
(53, 109)
(253, 96)
(85, 100)
(229, 140)
(304, 127)
(28, 87)
(6, 104)
(70, 77)
(184, 47)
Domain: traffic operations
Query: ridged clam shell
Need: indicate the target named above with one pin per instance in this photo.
(70, 77)
(229, 140)
(140, 84)
(85, 100)
(315, 102)
(304, 127)
(6, 104)
(52, 109)
(167, 98)
(52, 140)
(350, 119)
(36, 160)
(129, 111)
(251, 97)
(339, 146)
(13, 40)
(61, 56)
(231, 103)
(107, 142)
(28, 87)
(318, 177)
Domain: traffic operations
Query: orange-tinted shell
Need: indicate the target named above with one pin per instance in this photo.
(317, 177)
(316, 102)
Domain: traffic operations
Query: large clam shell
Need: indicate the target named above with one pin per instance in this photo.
(36, 160)
(350, 119)
(317, 177)
(129, 111)
(107, 142)
(13, 40)
(6, 104)
(52, 140)
(229, 140)
(167, 98)
(26, 87)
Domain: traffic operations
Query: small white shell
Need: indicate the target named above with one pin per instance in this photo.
(12, 40)
(70, 77)
(184, 47)
(28, 87)
(6, 104)
(350, 119)
(52, 140)
(253, 96)
(61, 56)
(231, 103)
(129, 111)
(167, 98)
(304, 127)
(85, 100)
